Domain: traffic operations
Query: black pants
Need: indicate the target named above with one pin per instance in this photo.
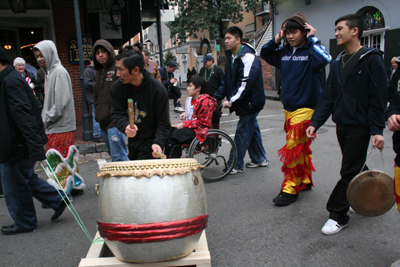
(177, 138)
(140, 149)
(354, 144)
(175, 95)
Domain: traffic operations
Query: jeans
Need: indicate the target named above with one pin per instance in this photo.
(115, 142)
(96, 125)
(248, 137)
(20, 183)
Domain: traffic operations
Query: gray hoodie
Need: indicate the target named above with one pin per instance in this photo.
(58, 113)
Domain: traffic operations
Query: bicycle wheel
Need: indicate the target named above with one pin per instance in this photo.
(213, 154)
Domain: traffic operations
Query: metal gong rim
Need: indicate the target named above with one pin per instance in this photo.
(371, 193)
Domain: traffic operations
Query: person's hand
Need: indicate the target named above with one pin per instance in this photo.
(156, 148)
(173, 80)
(280, 35)
(311, 29)
(310, 132)
(393, 123)
(378, 141)
(182, 116)
(178, 100)
(227, 104)
(131, 132)
(179, 125)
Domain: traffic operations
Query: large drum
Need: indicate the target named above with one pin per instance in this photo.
(151, 210)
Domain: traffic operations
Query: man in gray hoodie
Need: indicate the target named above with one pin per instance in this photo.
(58, 117)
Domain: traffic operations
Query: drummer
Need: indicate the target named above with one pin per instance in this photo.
(151, 115)
(355, 94)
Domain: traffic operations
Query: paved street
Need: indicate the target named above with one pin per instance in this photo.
(245, 227)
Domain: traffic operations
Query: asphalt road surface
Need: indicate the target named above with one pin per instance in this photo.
(245, 228)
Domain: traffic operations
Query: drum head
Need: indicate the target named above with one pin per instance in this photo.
(371, 193)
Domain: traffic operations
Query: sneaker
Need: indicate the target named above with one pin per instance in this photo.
(235, 171)
(284, 199)
(179, 110)
(255, 165)
(332, 227)
(351, 210)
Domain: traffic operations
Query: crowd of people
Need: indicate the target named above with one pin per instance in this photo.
(38, 107)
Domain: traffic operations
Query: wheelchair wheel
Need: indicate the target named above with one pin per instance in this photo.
(214, 153)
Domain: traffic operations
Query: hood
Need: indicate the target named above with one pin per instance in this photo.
(108, 47)
(300, 17)
(50, 54)
(369, 51)
(246, 49)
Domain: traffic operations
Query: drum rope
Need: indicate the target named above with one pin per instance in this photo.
(64, 197)
(369, 153)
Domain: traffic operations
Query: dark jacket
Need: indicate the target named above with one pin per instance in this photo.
(89, 81)
(301, 72)
(394, 108)
(166, 81)
(361, 101)
(243, 86)
(105, 77)
(215, 80)
(21, 128)
(151, 101)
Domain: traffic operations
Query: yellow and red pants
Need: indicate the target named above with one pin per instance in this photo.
(397, 185)
(296, 155)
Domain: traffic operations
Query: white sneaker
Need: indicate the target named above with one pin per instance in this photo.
(234, 171)
(179, 110)
(255, 165)
(351, 210)
(332, 227)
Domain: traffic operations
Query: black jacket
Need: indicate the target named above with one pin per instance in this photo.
(361, 101)
(394, 108)
(214, 81)
(151, 100)
(89, 81)
(243, 83)
(21, 128)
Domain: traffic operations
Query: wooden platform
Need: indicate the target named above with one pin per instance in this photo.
(200, 257)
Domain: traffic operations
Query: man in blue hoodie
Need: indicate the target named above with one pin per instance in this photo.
(301, 61)
(244, 89)
(355, 94)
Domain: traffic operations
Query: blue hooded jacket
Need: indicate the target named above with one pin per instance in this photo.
(301, 71)
(243, 84)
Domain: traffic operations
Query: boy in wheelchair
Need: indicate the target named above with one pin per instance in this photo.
(197, 118)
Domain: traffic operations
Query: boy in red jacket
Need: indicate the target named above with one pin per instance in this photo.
(197, 118)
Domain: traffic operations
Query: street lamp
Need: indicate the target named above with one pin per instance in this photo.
(18, 6)
(115, 14)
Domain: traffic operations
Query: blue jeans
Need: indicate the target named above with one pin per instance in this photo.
(115, 142)
(248, 137)
(20, 183)
(96, 125)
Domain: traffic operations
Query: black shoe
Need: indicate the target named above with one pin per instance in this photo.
(98, 139)
(77, 192)
(1, 195)
(307, 188)
(44, 206)
(59, 211)
(284, 199)
(13, 230)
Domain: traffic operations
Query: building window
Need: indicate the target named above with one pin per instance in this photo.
(374, 27)
(372, 18)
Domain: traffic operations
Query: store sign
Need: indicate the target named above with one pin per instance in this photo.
(73, 51)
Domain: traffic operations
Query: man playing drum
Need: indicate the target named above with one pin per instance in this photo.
(151, 106)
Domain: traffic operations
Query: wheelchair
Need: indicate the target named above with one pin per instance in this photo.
(213, 154)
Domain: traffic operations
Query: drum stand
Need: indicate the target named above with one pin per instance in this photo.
(98, 254)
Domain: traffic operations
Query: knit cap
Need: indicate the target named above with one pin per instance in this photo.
(300, 17)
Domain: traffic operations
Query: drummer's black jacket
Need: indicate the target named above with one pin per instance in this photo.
(359, 102)
(152, 106)
(22, 133)
(394, 108)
